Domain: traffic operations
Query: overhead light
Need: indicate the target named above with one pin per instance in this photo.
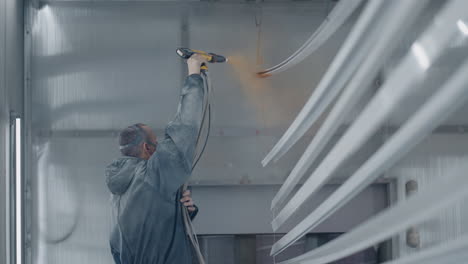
(463, 27)
(421, 55)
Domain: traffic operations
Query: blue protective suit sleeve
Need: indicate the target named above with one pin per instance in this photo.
(172, 162)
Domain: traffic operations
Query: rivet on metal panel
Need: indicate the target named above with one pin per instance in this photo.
(413, 238)
(245, 179)
(27, 193)
(27, 243)
(412, 234)
(411, 187)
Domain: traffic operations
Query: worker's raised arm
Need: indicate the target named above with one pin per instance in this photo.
(174, 157)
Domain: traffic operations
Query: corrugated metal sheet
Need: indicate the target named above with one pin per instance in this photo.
(434, 158)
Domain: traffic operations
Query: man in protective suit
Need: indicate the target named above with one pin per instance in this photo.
(145, 183)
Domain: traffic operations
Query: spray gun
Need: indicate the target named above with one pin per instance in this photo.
(210, 57)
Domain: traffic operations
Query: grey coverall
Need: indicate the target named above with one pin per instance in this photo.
(148, 226)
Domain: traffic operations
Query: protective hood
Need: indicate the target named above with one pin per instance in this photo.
(120, 173)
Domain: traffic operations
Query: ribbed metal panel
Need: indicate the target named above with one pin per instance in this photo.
(436, 157)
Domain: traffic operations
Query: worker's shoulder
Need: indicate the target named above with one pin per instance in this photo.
(166, 148)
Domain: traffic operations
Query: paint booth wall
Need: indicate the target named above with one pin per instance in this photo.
(439, 156)
(11, 96)
(98, 67)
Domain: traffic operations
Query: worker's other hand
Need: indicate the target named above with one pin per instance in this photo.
(187, 201)
(194, 63)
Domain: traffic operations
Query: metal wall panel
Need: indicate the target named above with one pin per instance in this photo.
(11, 97)
(102, 66)
(245, 209)
(434, 158)
(98, 67)
(3, 134)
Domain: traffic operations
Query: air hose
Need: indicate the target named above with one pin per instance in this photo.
(206, 122)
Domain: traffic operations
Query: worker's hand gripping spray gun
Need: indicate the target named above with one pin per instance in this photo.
(211, 58)
(186, 53)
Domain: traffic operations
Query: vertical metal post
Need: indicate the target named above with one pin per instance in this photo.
(31, 8)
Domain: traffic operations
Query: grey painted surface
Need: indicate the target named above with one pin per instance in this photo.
(11, 95)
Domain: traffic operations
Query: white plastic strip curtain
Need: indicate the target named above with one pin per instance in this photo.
(410, 72)
(440, 194)
(450, 252)
(395, 20)
(443, 103)
(340, 13)
(341, 69)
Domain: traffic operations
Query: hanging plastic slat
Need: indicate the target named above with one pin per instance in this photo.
(396, 21)
(440, 194)
(453, 251)
(435, 111)
(410, 72)
(340, 13)
(340, 71)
